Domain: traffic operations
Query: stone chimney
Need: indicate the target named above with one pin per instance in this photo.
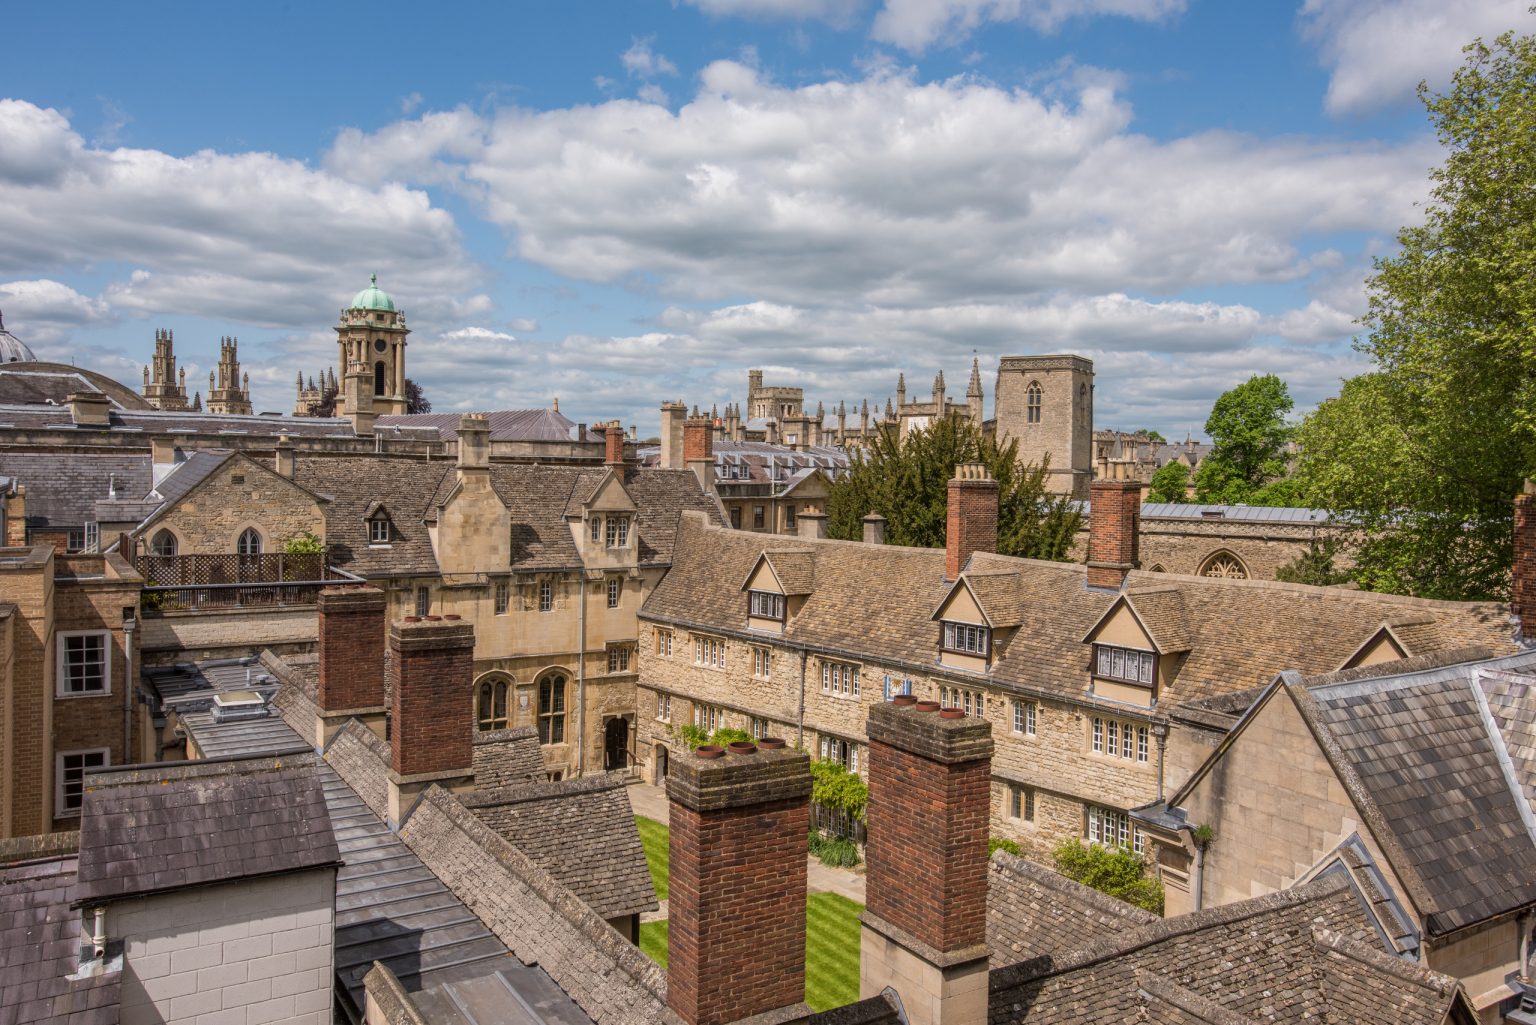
(1523, 589)
(432, 731)
(474, 445)
(350, 623)
(811, 524)
(89, 409)
(874, 529)
(357, 390)
(613, 446)
(1114, 529)
(283, 464)
(699, 450)
(972, 525)
(672, 416)
(925, 921)
(736, 936)
(16, 517)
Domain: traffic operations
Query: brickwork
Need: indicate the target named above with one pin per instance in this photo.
(539, 919)
(350, 628)
(929, 797)
(972, 517)
(1523, 590)
(242, 493)
(613, 445)
(736, 939)
(431, 667)
(1115, 531)
(256, 951)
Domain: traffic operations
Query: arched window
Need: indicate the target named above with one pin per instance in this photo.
(1032, 401)
(491, 705)
(163, 544)
(249, 543)
(1225, 565)
(378, 378)
(552, 709)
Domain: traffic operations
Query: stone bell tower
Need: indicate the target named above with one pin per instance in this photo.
(372, 332)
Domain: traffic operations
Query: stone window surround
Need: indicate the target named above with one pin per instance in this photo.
(158, 546)
(840, 679)
(61, 675)
(1026, 716)
(1021, 802)
(1111, 738)
(502, 596)
(615, 591)
(496, 691)
(762, 662)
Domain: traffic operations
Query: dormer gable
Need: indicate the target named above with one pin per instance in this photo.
(776, 587)
(380, 525)
(604, 523)
(1137, 645)
(1393, 640)
(976, 617)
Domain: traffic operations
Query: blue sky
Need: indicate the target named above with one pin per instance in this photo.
(622, 202)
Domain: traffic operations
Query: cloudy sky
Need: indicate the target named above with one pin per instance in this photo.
(620, 202)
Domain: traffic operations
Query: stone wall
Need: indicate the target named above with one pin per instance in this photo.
(241, 494)
(169, 637)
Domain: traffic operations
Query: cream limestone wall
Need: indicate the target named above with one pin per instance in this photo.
(211, 517)
(478, 524)
(1481, 961)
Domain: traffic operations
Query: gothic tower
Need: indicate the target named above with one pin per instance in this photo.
(1046, 402)
(228, 390)
(372, 332)
(163, 387)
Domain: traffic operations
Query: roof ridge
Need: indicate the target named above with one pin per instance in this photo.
(1330, 940)
(1012, 864)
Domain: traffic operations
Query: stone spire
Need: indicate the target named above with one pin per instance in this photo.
(163, 386)
(901, 391)
(229, 392)
(973, 397)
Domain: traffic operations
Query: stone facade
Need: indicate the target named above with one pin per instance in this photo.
(240, 495)
(1046, 403)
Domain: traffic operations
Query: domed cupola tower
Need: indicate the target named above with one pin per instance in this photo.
(13, 349)
(372, 333)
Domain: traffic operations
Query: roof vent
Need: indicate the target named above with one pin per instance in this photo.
(235, 705)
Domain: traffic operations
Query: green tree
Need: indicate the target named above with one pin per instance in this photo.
(1170, 483)
(1427, 452)
(1117, 871)
(907, 481)
(1249, 434)
(1315, 565)
(1156, 436)
(416, 400)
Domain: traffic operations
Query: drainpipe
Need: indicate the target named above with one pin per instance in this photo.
(581, 673)
(130, 621)
(800, 722)
(1199, 886)
(1523, 923)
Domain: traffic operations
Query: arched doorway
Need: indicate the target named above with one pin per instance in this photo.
(660, 764)
(616, 743)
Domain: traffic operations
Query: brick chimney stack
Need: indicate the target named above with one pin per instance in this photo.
(1114, 531)
(350, 622)
(972, 525)
(1523, 590)
(699, 449)
(736, 938)
(431, 736)
(925, 921)
(613, 446)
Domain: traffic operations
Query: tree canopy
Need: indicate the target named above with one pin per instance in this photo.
(1427, 451)
(1249, 434)
(416, 400)
(1170, 483)
(906, 481)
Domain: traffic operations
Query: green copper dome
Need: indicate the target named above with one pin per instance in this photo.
(373, 298)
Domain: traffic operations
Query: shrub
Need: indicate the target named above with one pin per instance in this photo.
(304, 544)
(694, 736)
(998, 843)
(725, 735)
(836, 851)
(1116, 871)
(835, 788)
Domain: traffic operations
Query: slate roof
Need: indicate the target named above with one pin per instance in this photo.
(505, 424)
(191, 472)
(757, 462)
(49, 388)
(39, 950)
(64, 487)
(876, 601)
(405, 486)
(508, 757)
(582, 831)
(147, 829)
(1292, 956)
(1032, 910)
(1437, 766)
(999, 596)
(154, 421)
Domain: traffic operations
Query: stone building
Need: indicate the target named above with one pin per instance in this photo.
(229, 391)
(1127, 455)
(371, 336)
(165, 387)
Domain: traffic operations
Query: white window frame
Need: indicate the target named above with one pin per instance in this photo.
(967, 639)
(615, 591)
(503, 597)
(423, 601)
(617, 535)
(664, 643)
(546, 596)
(664, 707)
(61, 668)
(762, 662)
(1111, 827)
(618, 658)
(378, 530)
(765, 605)
(59, 811)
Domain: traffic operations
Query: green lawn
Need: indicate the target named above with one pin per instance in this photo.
(831, 931)
(653, 837)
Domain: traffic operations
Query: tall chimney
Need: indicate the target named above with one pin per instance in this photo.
(874, 529)
(812, 524)
(350, 623)
(1114, 528)
(699, 450)
(1522, 593)
(972, 525)
(924, 928)
(431, 733)
(613, 446)
(672, 416)
(357, 388)
(474, 444)
(283, 464)
(736, 934)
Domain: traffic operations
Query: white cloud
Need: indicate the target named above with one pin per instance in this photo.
(1377, 51)
(915, 25)
(834, 12)
(641, 61)
(43, 313)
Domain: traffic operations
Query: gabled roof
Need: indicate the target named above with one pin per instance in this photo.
(607, 494)
(356, 484)
(1409, 636)
(997, 595)
(794, 569)
(1032, 910)
(1160, 612)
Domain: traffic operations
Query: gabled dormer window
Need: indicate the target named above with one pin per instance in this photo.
(766, 605)
(967, 639)
(618, 532)
(1127, 665)
(378, 529)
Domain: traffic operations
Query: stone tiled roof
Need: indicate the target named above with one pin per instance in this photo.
(39, 947)
(1032, 910)
(152, 828)
(507, 758)
(999, 597)
(1165, 616)
(64, 487)
(1434, 764)
(582, 831)
(1241, 633)
(505, 424)
(795, 571)
(1284, 957)
(404, 486)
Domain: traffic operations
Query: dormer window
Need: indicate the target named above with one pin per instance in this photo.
(766, 605)
(1127, 665)
(597, 530)
(967, 639)
(618, 532)
(378, 530)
